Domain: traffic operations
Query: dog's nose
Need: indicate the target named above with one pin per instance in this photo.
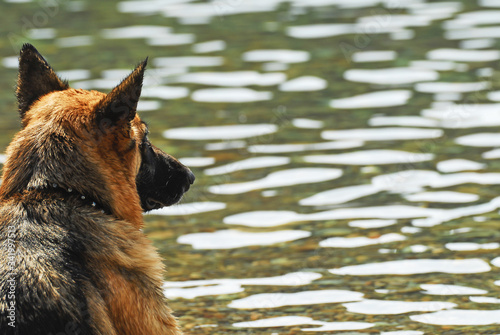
(191, 177)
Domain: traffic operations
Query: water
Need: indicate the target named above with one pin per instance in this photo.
(346, 153)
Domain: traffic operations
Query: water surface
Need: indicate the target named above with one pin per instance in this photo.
(346, 153)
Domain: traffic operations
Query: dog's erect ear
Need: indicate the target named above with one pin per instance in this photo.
(118, 108)
(36, 78)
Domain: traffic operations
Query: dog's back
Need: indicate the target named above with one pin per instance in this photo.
(47, 281)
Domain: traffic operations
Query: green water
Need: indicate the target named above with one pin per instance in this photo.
(268, 30)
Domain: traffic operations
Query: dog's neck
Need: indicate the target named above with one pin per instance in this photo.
(89, 202)
(85, 200)
(125, 202)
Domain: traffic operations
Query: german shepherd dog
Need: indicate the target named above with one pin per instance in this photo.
(78, 176)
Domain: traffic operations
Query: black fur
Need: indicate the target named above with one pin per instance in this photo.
(36, 78)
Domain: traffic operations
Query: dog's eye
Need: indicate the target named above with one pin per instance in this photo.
(145, 146)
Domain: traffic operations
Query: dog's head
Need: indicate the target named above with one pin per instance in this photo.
(88, 141)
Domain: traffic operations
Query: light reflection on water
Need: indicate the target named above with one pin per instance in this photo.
(368, 128)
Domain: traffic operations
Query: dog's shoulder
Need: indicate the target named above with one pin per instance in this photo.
(69, 261)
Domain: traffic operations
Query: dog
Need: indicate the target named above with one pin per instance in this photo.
(77, 178)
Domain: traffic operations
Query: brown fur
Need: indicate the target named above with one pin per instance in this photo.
(80, 267)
